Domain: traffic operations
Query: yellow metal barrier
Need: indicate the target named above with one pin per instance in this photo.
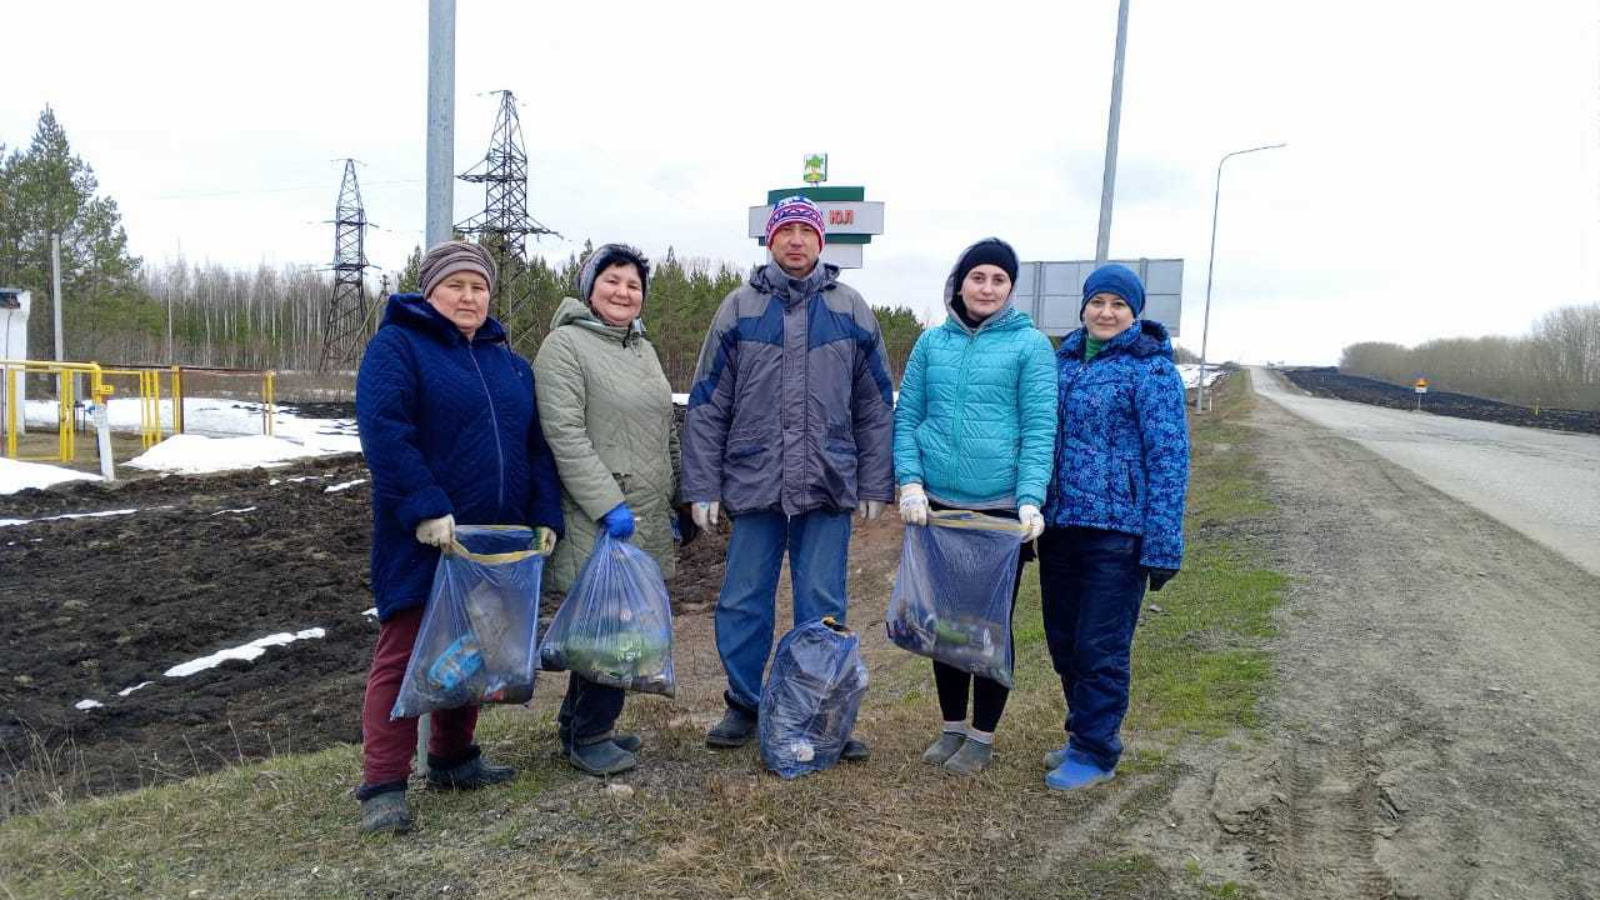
(66, 399)
(151, 429)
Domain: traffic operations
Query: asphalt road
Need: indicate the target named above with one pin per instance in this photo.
(1545, 484)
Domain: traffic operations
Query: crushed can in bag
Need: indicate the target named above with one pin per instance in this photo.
(952, 594)
(478, 635)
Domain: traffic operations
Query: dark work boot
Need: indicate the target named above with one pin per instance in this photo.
(601, 757)
(736, 729)
(854, 750)
(467, 775)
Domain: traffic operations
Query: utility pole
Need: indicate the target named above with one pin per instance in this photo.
(504, 225)
(441, 118)
(1108, 184)
(55, 294)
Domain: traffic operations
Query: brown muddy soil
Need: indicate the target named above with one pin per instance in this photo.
(92, 606)
(1330, 382)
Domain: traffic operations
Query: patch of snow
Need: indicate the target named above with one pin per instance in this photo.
(6, 523)
(1191, 374)
(193, 454)
(336, 488)
(87, 705)
(373, 612)
(223, 512)
(16, 475)
(248, 652)
(297, 479)
(126, 691)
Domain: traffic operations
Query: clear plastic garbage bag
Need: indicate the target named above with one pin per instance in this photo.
(615, 627)
(478, 639)
(811, 699)
(952, 595)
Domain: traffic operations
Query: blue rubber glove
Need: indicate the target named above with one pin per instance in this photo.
(618, 522)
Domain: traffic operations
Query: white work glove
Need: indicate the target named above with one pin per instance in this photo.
(705, 514)
(437, 532)
(544, 540)
(913, 504)
(1029, 515)
(871, 509)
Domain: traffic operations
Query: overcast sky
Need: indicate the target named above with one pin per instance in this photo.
(1442, 176)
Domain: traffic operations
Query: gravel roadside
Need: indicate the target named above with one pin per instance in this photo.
(1439, 696)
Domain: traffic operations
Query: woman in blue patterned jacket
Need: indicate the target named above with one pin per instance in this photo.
(973, 429)
(1114, 515)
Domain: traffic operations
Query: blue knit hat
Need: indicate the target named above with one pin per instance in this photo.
(1114, 279)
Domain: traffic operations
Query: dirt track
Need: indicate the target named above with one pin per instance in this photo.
(1439, 704)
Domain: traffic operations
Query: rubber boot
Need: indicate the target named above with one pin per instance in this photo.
(944, 748)
(601, 757)
(972, 758)
(385, 813)
(468, 775)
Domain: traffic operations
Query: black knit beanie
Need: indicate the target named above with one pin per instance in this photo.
(990, 252)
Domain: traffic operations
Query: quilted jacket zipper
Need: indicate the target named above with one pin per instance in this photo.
(494, 421)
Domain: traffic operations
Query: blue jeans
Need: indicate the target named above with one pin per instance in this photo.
(818, 543)
(1092, 586)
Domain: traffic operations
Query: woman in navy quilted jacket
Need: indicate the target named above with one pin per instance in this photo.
(1114, 515)
(451, 434)
(973, 429)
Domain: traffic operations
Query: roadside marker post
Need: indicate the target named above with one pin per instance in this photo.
(1421, 388)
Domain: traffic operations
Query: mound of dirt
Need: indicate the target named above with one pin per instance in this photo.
(90, 607)
(1330, 382)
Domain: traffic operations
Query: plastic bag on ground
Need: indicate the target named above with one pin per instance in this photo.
(811, 699)
(478, 638)
(615, 627)
(952, 595)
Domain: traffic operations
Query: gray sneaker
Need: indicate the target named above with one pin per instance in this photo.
(385, 813)
(944, 748)
(972, 758)
(628, 742)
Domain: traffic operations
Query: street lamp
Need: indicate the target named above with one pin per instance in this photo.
(1211, 263)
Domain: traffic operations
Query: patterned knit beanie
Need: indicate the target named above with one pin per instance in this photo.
(797, 209)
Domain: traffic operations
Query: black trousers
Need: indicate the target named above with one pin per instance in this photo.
(988, 696)
(589, 711)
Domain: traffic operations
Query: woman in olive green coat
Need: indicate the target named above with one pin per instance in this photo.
(606, 409)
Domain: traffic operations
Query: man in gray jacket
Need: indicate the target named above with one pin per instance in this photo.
(789, 430)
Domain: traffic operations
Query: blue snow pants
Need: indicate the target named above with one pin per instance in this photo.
(1092, 586)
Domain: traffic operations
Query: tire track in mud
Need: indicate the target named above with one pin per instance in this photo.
(1332, 811)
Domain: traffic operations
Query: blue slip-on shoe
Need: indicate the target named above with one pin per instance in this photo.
(1076, 773)
(1055, 758)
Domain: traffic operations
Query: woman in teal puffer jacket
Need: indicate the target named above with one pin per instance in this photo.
(974, 429)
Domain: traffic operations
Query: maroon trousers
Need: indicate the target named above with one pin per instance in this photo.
(389, 744)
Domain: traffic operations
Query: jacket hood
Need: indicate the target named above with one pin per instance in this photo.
(770, 278)
(415, 312)
(573, 311)
(952, 305)
(1144, 338)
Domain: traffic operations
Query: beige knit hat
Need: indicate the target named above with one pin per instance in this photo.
(446, 259)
